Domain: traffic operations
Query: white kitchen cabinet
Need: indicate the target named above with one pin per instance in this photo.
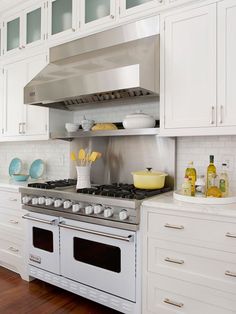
(226, 63)
(12, 237)
(96, 14)
(26, 28)
(62, 19)
(190, 68)
(20, 119)
(131, 7)
(189, 263)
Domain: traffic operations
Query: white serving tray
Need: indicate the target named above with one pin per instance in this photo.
(204, 200)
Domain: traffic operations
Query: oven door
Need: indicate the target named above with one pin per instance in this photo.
(101, 257)
(43, 241)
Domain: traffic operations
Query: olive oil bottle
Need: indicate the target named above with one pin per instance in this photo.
(191, 173)
(211, 173)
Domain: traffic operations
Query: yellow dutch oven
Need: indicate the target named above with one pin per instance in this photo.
(148, 179)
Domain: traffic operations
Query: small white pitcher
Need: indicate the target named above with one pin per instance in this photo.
(83, 177)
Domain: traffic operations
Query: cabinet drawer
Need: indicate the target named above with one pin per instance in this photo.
(211, 268)
(11, 223)
(167, 295)
(207, 233)
(10, 200)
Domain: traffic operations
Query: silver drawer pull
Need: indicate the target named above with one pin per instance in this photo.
(14, 222)
(48, 222)
(171, 302)
(230, 273)
(175, 261)
(11, 248)
(129, 238)
(174, 226)
(230, 235)
(11, 199)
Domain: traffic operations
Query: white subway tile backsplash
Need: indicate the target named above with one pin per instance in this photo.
(198, 149)
(51, 152)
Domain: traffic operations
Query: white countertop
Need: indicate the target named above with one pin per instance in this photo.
(10, 184)
(166, 201)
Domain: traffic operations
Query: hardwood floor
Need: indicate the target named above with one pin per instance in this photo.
(20, 297)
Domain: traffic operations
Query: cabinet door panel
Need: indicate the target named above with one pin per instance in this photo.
(61, 18)
(95, 11)
(226, 63)
(14, 82)
(190, 68)
(134, 3)
(13, 34)
(33, 26)
(36, 118)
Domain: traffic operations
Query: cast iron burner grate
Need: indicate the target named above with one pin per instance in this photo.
(49, 185)
(121, 190)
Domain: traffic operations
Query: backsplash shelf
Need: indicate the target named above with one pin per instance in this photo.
(120, 132)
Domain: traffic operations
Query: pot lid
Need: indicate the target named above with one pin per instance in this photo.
(149, 172)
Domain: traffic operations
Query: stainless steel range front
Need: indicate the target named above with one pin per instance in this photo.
(87, 241)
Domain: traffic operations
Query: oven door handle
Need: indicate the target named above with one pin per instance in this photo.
(48, 222)
(129, 238)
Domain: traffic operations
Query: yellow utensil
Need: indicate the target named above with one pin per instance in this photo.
(73, 157)
(81, 156)
(94, 156)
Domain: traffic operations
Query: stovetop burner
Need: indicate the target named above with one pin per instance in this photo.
(121, 190)
(49, 185)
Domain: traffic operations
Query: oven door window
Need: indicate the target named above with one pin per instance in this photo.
(97, 254)
(43, 239)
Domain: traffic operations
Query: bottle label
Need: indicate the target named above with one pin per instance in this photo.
(192, 181)
(222, 185)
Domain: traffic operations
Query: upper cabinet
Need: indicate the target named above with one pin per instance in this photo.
(190, 68)
(199, 71)
(61, 17)
(26, 28)
(128, 7)
(226, 63)
(96, 13)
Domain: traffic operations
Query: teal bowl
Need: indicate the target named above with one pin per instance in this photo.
(20, 177)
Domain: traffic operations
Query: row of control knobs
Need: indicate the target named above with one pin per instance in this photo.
(89, 209)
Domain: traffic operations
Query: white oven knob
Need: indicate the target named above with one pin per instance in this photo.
(41, 200)
(35, 201)
(123, 214)
(67, 204)
(98, 209)
(49, 201)
(108, 212)
(58, 203)
(76, 208)
(88, 210)
(26, 199)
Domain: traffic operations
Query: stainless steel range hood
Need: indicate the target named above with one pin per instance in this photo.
(119, 63)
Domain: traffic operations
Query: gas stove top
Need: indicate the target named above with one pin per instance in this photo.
(116, 205)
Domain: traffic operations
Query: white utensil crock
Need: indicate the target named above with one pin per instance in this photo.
(83, 177)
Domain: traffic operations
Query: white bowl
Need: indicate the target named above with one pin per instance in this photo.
(138, 120)
(87, 124)
(71, 127)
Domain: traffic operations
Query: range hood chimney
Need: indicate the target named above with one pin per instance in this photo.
(115, 64)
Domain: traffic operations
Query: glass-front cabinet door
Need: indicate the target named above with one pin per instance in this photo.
(34, 25)
(61, 17)
(97, 12)
(128, 7)
(12, 34)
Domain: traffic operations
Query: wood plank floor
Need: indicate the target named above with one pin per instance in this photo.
(20, 297)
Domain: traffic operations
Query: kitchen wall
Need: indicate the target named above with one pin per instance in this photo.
(54, 153)
(198, 149)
